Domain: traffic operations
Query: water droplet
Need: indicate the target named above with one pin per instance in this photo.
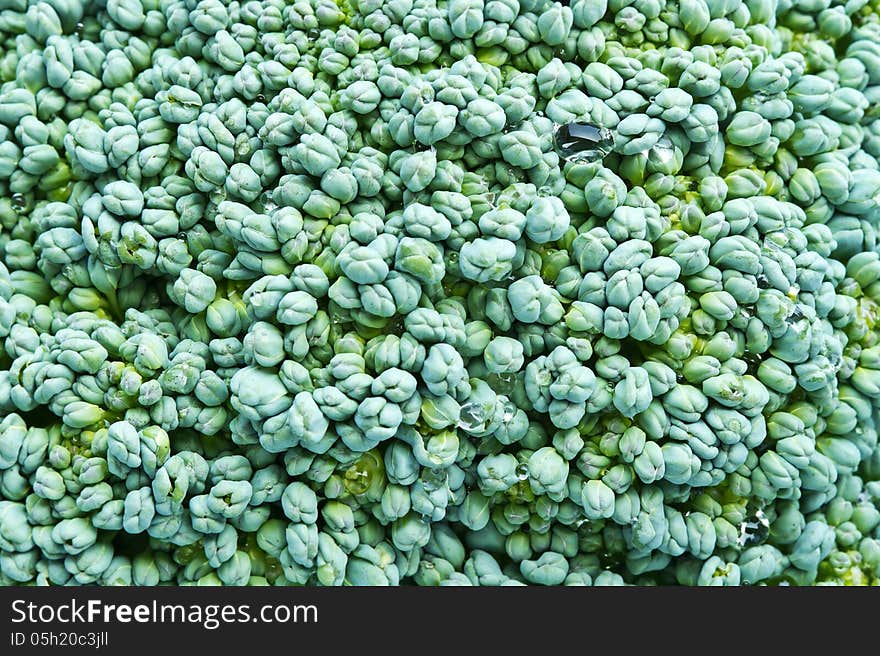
(582, 142)
(580, 522)
(434, 479)
(313, 33)
(473, 417)
(663, 151)
(19, 202)
(502, 383)
(522, 471)
(763, 281)
(545, 191)
(358, 478)
(261, 98)
(452, 257)
(508, 412)
(78, 29)
(268, 202)
(754, 529)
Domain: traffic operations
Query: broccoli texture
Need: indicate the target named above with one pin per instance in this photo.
(439, 292)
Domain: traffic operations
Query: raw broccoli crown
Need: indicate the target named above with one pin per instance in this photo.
(439, 292)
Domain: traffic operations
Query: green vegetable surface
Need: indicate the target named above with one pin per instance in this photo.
(439, 292)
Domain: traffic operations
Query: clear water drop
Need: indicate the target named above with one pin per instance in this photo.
(19, 202)
(268, 202)
(473, 417)
(508, 412)
(502, 383)
(582, 142)
(545, 191)
(663, 151)
(217, 196)
(434, 479)
(754, 529)
(261, 98)
(522, 471)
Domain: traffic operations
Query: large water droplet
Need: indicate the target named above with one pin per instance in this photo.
(508, 411)
(503, 383)
(662, 152)
(217, 196)
(358, 478)
(434, 479)
(268, 202)
(473, 416)
(522, 471)
(19, 202)
(754, 529)
(582, 142)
